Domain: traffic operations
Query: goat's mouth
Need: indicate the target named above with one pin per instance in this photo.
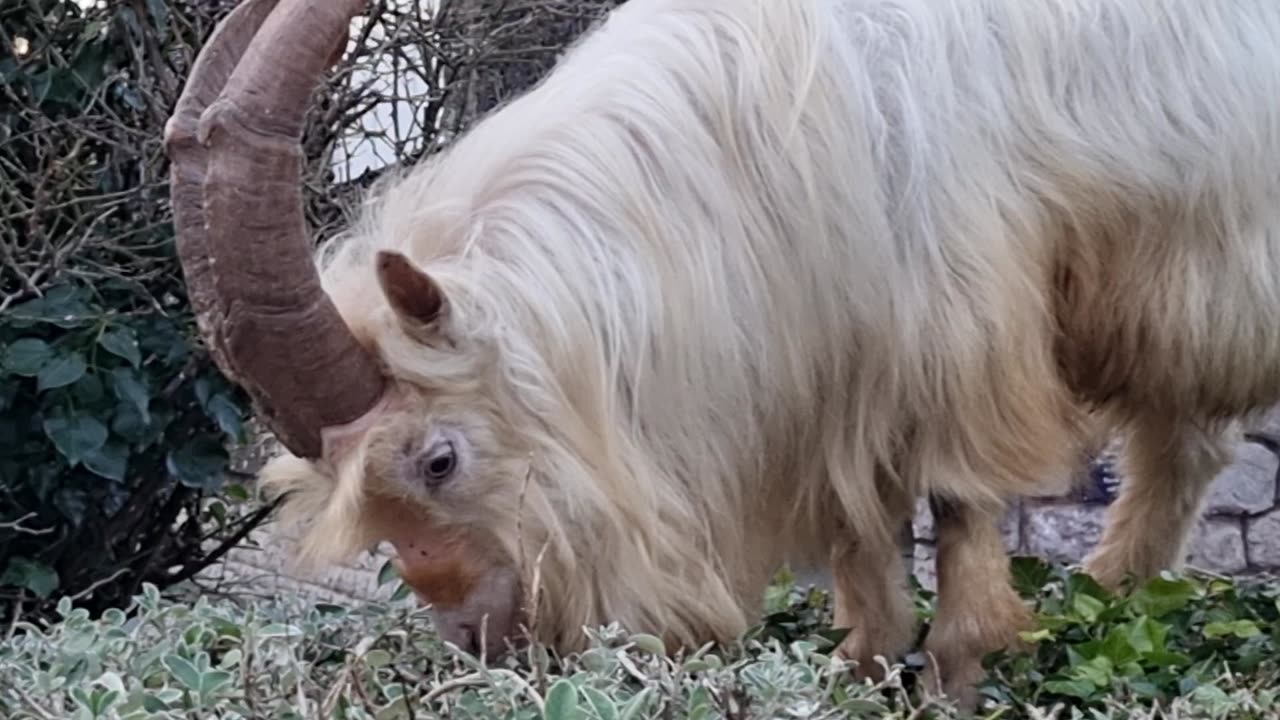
(473, 592)
(486, 622)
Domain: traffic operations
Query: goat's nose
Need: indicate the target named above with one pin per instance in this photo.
(466, 637)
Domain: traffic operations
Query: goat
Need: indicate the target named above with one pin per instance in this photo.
(738, 283)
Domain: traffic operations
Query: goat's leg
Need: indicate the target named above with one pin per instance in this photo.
(871, 599)
(978, 611)
(1168, 467)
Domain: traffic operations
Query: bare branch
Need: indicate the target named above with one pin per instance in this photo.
(17, 526)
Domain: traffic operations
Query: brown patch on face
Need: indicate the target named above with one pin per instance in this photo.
(441, 565)
(442, 576)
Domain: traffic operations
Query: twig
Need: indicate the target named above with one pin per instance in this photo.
(404, 692)
(226, 546)
(15, 613)
(16, 526)
(919, 712)
(246, 669)
(99, 583)
(33, 706)
(483, 678)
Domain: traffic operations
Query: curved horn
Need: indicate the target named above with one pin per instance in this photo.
(234, 142)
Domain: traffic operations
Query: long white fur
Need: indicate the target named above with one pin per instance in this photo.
(742, 269)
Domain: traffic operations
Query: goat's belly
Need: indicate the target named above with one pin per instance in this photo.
(1180, 321)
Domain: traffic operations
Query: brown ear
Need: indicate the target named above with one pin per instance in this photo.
(416, 298)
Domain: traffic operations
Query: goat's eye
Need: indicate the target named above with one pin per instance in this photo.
(441, 461)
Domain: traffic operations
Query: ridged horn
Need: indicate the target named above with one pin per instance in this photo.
(234, 142)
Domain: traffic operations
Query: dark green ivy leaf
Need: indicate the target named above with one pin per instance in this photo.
(26, 357)
(129, 389)
(1163, 595)
(88, 389)
(63, 306)
(122, 342)
(203, 387)
(199, 463)
(226, 414)
(1071, 688)
(111, 461)
(1243, 628)
(1029, 574)
(60, 371)
(73, 503)
(237, 492)
(76, 437)
(34, 576)
(131, 425)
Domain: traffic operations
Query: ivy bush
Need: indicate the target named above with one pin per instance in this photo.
(1180, 647)
(113, 448)
(1172, 637)
(115, 428)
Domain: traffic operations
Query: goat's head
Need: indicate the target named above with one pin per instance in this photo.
(420, 464)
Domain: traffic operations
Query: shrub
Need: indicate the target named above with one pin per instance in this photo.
(113, 424)
(290, 659)
(1174, 636)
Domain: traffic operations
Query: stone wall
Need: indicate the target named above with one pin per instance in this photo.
(264, 567)
(1238, 533)
(264, 564)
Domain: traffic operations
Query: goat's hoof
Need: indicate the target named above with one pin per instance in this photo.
(956, 682)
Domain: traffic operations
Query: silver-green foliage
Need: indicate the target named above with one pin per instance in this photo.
(288, 659)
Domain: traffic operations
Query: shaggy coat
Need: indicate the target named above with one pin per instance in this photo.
(741, 280)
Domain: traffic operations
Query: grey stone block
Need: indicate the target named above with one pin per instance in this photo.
(1010, 526)
(924, 566)
(923, 522)
(819, 576)
(1011, 529)
(271, 560)
(1218, 545)
(1246, 486)
(1066, 533)
(1266, 425)
(1263, 538)
(1062, 533)
(924, 563)
(343, 587)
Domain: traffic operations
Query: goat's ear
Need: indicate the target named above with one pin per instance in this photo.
(417, 300)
